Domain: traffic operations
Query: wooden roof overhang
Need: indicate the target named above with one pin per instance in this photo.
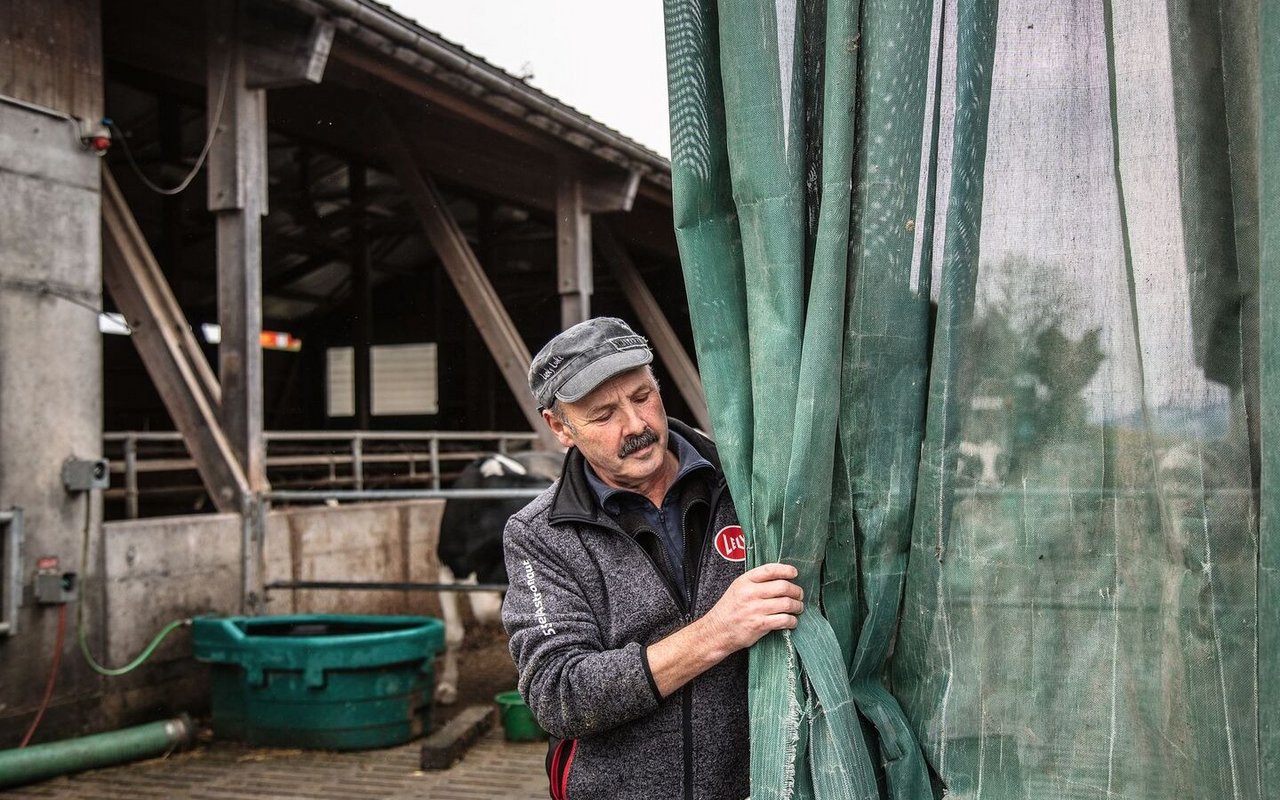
(477, 130)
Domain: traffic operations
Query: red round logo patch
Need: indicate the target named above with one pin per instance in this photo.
(731, 544)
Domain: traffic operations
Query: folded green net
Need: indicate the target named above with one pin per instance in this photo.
(975, 293)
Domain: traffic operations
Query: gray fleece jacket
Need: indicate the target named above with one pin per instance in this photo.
(588, 593)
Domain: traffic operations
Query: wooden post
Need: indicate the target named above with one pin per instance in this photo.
(573, 247)
(647, 309)
(168, 348)
(361, 295)
(237, 197)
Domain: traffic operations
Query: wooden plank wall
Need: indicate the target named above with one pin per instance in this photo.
(51, 54)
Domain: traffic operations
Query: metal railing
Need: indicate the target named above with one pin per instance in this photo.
(346, 462)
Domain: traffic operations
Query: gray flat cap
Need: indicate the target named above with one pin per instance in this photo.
(578, 360)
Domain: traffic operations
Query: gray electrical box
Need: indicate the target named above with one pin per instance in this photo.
(86, 474)
(55, 588)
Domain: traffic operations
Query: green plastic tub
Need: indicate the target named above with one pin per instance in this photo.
(517, 720)
(329, 682)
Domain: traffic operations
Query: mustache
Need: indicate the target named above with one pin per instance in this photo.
(637, 442)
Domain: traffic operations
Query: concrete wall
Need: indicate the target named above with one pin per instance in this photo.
(171, 567)
(368, 542)
(157, 570)
(50, 378)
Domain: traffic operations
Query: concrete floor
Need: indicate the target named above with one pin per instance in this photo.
(493, 768)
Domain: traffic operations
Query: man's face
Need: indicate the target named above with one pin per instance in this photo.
(620, 428)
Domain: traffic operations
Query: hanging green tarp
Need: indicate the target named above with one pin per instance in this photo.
(974, 289)
(1269, 323)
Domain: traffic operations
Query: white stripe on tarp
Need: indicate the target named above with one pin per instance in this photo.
(785, 11)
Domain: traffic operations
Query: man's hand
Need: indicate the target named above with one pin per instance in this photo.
(758, 601)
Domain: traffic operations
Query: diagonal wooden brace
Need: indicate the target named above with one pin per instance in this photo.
(168, 348)
(468, 276)
(665, 342)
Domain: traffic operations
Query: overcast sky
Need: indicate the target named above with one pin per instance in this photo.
(604, 58)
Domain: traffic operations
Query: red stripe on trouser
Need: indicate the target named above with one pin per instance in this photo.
(564, 775)
(555, 770)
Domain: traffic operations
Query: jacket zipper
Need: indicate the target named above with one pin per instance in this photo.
(686, 692)
(691, 579)
(691, 576)
(663, 575)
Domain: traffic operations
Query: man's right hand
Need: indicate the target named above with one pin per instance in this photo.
(760, 600)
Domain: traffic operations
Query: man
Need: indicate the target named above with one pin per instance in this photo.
(629, 611)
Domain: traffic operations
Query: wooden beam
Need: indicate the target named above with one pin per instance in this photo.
(453, 149)
(475, 109)
(462, 266)
(168, 349)
(648, 229)
(238, 198)
(657, 194)
(670, 350)
(282, 278)
(361, 295)
(285, 48)
(573, 248)
(613, 193)
(237, 157)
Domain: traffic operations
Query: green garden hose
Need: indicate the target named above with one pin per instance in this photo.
(80, 626)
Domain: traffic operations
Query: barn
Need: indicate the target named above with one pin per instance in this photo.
(253, 247)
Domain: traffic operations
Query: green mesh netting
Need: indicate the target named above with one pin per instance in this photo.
(1268, 611)
(975, 297)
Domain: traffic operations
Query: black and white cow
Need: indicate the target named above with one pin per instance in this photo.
(470, 546)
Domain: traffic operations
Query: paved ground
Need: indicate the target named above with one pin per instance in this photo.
(493, 768)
